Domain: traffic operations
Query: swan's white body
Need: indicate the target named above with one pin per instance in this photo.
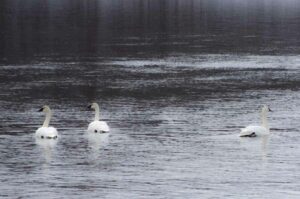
(256, 130)
(46, 132)
(97, 126)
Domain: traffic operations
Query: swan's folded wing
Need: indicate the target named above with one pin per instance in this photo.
(52, 132)
(245, 132)
(104, 126)
(98, 125)
(258, 130)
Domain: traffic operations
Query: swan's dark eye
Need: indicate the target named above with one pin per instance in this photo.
(42, 137)
(95, 131)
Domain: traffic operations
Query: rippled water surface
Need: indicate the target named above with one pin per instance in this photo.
(175, 96)
(174, 125)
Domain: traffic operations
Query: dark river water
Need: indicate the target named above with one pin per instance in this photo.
(175, 81)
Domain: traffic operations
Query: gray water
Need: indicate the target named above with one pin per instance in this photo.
(174, 98)
(174, 128)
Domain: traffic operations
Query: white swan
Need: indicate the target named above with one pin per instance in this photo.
(262, 130)
(46, 132)
(97, 126)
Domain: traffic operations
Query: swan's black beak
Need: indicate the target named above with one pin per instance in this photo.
(41, 110)
(270, 110)
(90, 106)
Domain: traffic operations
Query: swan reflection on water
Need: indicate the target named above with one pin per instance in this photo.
(47, 146)
(257, 145)
(96, 144)
(97, 141)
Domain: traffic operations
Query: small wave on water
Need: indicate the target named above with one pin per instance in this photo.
(214, 61)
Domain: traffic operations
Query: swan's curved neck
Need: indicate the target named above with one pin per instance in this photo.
(47, 119)
(264, 120)
(97, 113)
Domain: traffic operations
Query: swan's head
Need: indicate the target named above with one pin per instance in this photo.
(93, 106)
(266, 109)
(45, 109)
